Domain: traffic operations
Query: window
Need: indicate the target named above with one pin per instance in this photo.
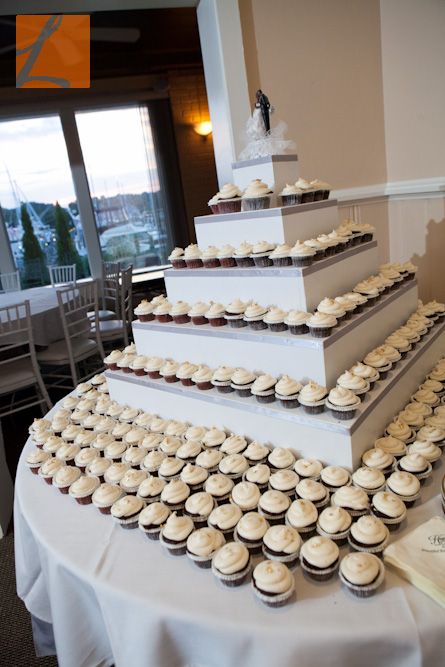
(37, 199)
(128, 202)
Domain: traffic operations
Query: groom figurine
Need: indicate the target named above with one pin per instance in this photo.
(262, 103)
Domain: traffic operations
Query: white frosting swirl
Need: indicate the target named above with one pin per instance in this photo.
(273, 577)
(320, 552)
(360, 569)
(369, 530)
(205, 542)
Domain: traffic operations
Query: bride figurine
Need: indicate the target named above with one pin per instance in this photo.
(261, 139)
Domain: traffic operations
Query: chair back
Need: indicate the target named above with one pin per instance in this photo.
(62, 275)
(74, 304)
(111, 275)
(10, 282)
(126, 300)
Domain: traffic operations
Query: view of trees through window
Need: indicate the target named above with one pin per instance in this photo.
(37, 200)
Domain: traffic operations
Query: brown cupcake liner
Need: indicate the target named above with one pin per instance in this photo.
(211, 263)
(229, 205)
(140, 371)
(235, 579)
(194, 263)
(148, 317)
(217, 321)
(198, 320)
(244, 262)
(302, 261)
(256, 325)
(179, 263)
(282, 261)
(165, 317)
(255, 203)
(227, 262)
(181, 319)
(318, 574)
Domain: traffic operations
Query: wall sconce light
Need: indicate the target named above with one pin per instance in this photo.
(203, 129)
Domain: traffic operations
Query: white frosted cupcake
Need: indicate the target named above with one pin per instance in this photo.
(144, 311)
(342, 402)
(361, 573)
(203, 544)
(282, 544)
(368, 534)
(320, 325)
(313, 398)
(319, 558)
(256, 196)
(231, 564)
(334, 522)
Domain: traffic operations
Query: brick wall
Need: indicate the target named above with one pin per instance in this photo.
(189, 105)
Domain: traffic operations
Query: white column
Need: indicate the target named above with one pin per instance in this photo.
(226, 81)
(82, 190)
(7, 264)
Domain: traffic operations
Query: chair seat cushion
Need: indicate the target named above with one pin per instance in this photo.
(57, 352)
(16, 375)
(109, 327)
(103, 314)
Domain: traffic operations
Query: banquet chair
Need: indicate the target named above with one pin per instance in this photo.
(19, 368)
(10, 282)
(68, 355)
(62, 275)
(117, 329)
(111, 276)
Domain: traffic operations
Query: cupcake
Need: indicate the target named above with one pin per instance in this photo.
(138, 365)
(214, 437)
(343, 403)
(405, 486)
(209, 459)
(210, 257)
(49, 468)
(234, 444)
(316, 492)
(221, 379)
(84, 457)
(380, 459)
(256, 453)
(199, 506)
(281, 458)
(242, 255)
(319, 247)
(170, 468)
(331, 307)
(231, 564)
(153, 366)
(388, 507)
(284, 481)
(162, 312)
(261, 252)
(168, 371)
(391, 445)
(234, 314)
(233, 466)
(152, 518)
(197, 313)
(287, 391)
(273, 583)
(144, 311)
(280, 255)
(187, 451)
(242, 381)
(258, 474)
(176, 428)
(433, 434)
(319, 558)
(301, 254)
(307, 194)
(224, 518)
(264, 388)
(320, 325)
(379, 362)
(203, 544)
(215, 315)
(282, 544)
(219, 486)
(354, 383)
(253, 315)
(308, 469)
(176, 258)
(174, 495)
(416, 464)
(428, 450)
(334, 522)
(290, 195)
(105, 495)
(192, 257)
(179, 312)
(302, 515)
(246, 495)
(83, 488)
(370, 480)
(368, 534)
(229, 199)
(225, 256)
(361, 573)
(150, 489)
(64, 477)
(185, 373)
(333, 477)
(352, 499)
(274, 318)
(66, 453)
(202, 377)
(296, 322)
(175, 532)
(321, 189)
(273, 505)
(256, 196)
(313, 398)
(36, 458)
(132, 480)
(250, 531)
(426, 396)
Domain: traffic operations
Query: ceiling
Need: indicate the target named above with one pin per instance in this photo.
(169, 39)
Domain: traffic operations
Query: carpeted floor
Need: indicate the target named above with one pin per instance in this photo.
(16, 645)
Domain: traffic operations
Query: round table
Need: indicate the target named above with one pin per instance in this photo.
(114, 597)
(46, 323)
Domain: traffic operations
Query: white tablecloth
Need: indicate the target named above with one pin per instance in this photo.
(113, 596)
(46, 322)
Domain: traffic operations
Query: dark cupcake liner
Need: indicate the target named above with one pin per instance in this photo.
(290, 200)
(211, 263)
(217, 321)
(278, 326)
(197, 320)
(227, 262)
(181, 319)
(194, 263)
(244, 262)
(255, 203)
(318, 574)
(307, 197)
(179, 263)
(320, 332)
(298, 329)
(229, 205)
(302, 261)
(282, 261)
(263, 262)
(149, 317)
(257, 325)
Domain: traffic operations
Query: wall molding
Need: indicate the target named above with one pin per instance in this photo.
(421, 188)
